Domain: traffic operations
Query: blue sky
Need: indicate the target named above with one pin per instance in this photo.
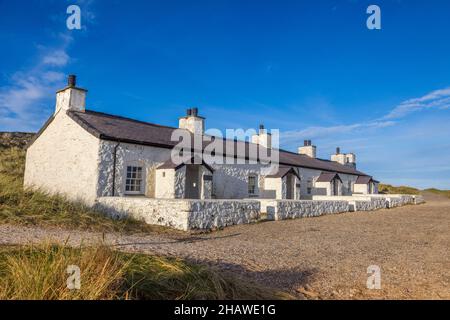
(309, 68)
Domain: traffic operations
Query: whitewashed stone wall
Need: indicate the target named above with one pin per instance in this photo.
(230, 181)
(292, 209)
(211, 214)
(180, 183)
(64, 160)
(206, 185)
(128, 154)
(165, 184)
(357, 203)
(182, 214)
(172, 213)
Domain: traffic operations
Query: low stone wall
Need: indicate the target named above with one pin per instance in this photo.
(357, 203)
(373, 204)
(172, 213)
(419, 199)
(292, 209)
(210, 214)
(180, 213)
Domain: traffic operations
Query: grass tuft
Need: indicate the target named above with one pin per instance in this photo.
(39, 273)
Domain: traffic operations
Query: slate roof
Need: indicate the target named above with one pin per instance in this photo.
(365, 180)
(283, 171)
(116, 128)
(327, 177)
(169, 164)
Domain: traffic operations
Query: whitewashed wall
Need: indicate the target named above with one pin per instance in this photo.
(182, 214)
(128, 154)
(64, 159)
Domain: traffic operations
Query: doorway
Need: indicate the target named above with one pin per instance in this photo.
(192, 181)
(335, 187)
(290, 180)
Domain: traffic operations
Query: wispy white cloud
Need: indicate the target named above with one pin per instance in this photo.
(322, 132)
(438, 99)
(24, 100)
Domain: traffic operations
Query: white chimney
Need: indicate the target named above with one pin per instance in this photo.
(71, 97)
(263, 138)
(346, 159)
(308, 149)
(192, 122)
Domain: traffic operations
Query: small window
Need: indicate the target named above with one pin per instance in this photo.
(164, 174)
(309, 186)
(252, 185)
(350, 186)
(133, 182)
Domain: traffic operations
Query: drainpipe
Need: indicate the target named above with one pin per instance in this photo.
(114, 169)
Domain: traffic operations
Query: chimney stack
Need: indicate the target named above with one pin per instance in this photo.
(263, 138)
(71, 97)
(308, 149)
(192, 122)
(346, 159)
(72, 81)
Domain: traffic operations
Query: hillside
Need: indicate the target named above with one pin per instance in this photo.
(15, 139)
(389, 189)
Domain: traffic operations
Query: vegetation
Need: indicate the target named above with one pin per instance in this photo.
(27, 207)
(388, 189)
(40, 272)
(445, 193)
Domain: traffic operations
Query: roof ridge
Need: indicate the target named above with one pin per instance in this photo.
(126, 118)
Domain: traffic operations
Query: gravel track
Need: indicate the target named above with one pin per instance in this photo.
(317, 258)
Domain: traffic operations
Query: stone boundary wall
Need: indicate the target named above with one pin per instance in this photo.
(419, 199)
(358, 203)
(182, 214)
(372, 205)
(292, 209)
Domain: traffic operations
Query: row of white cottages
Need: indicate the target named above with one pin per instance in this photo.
(86, 155)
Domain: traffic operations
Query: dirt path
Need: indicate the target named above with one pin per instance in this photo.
(325, 257)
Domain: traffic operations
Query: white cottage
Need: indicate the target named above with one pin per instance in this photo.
(86, 155)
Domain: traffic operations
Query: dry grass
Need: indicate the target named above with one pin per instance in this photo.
(388, 189)
(27, 207)
(445, 193)
(39, 273)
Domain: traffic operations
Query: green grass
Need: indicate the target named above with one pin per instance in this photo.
(388, 189)
(39, 273)
(27, 207)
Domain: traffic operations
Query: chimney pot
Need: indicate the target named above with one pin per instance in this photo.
(261, 127)
(338, 150)
(72, 80)
(194, 112)
(189, 112)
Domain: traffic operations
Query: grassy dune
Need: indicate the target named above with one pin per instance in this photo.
(389, 189)
(40, 273)
(26, 207)
(445, 193)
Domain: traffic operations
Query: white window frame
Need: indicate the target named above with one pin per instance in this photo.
(129, 178)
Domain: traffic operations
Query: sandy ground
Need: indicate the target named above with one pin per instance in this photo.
(317, 258)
